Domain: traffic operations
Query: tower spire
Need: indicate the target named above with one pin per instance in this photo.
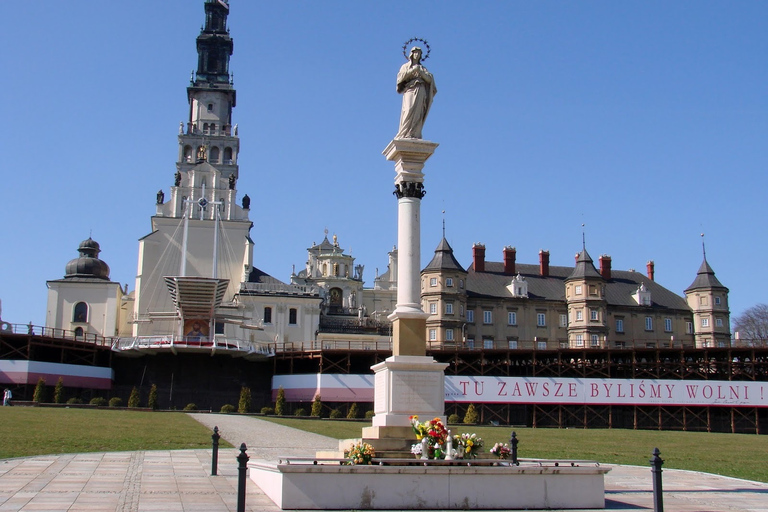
(703, 248)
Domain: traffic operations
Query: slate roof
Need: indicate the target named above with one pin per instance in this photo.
(585, 267)
(705, 278)
(258, 276)
(444, 259)
(619, 289)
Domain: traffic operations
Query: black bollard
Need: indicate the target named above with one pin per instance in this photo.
(215, 451)
(513, 447)
(242, 468)
(656, 462)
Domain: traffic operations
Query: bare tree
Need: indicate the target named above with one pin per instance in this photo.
(752, 324)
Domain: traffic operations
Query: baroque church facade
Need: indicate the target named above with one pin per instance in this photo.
(197, 287)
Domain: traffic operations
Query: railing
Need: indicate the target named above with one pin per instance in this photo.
(282, 289)
(306, 346)
(50, 332)
(169, 341)
(355, 326)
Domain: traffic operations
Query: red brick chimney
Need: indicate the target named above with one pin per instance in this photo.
(478, 257)
(650, 268)
(544, 263)
(605, 267)
(510, 254)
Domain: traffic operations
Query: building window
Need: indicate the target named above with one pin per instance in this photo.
(718, 322)
(448, 281)
(619, 325)
(218, 328)
(487, 344)
(292, 320)
(579, 315)
(703, 301)
(541, 319)
(210, 107)
(432, 281)
(592, 289)
(667, 325)
(461, 283)
(563, 320)
(541, 345)
(512, 344)
(594, 340)
(461, 310)
(649, 323)
(579, 340)
(449, 308)
(487, 317)
(432, 334)
(705, 322)
(267, 315)
(593, 314)
(433, 308)
(449, 334)
(577, 289)
(511, 318)
(80, 314)
(470, 315)
(470, 343)
(689, 327)
(717, 301)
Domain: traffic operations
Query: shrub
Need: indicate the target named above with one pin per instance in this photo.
(39, 394)
(244, 405)
(336, 414)
(58, 392)
(353, 411)
(152, 400)
(190, 407)
(454, 418)
(472, 416)
(74, 401)
(317, 407)
(115, 401)
(300, 412)
(98, 401)
(267, 410)
(280, 403)
(369, 414)
(133, 400)
(228, 408)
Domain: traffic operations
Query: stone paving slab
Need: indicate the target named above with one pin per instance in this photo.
(171, 481)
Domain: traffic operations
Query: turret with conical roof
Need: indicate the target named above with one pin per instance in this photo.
(585, 297)
(708, 299)
(444, 296)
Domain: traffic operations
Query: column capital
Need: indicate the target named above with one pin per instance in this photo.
(409, 156)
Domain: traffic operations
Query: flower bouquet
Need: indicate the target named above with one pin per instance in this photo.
(468, 445)
(501, 450)
(416, 450)
(360, 453)
(434, 432)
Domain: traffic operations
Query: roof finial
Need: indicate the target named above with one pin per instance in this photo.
(583, 238)
(703, 248)
(443, 223)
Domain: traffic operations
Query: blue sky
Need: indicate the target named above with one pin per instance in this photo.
(645, 120)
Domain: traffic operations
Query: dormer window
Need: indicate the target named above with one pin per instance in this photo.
(642, 296)
(518, 287)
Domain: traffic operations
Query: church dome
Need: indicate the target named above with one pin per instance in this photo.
(88, 263)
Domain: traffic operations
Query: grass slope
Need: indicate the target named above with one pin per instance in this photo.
(26, 431)
(736, 455)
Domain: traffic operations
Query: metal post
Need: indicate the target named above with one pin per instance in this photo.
(215, 451)
(656, 462)
(513, 446)
(242, 468)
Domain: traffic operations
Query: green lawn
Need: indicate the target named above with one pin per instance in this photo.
(26, 431)
(737, 455)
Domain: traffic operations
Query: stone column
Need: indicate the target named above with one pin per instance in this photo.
(409, 382)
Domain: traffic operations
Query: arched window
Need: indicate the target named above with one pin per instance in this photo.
(79, 332)
(80, 313)
(227, 155)
(188, 153)
(205, 128)
(214, 156)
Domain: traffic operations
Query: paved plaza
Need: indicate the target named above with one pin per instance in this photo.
(171, 481)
